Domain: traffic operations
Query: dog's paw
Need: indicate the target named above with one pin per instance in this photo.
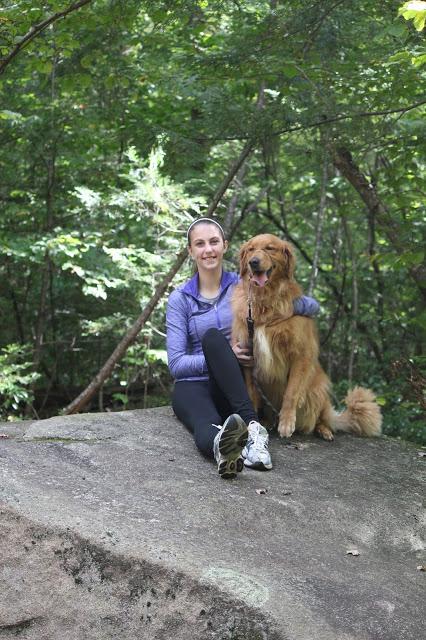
(287, 424)
(324, 432)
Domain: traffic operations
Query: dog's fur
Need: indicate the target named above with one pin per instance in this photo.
(286, 348)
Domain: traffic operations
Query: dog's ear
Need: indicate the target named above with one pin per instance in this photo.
(243, 259)
(289, 260)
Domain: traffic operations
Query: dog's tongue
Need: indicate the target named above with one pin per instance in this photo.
(260, 279)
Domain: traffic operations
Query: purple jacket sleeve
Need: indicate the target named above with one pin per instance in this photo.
(305, 306)
(181, 364)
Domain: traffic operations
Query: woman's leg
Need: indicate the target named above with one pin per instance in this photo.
(194, 407)
(227, 385)
(230, 395)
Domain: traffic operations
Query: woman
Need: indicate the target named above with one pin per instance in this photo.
(209, 386)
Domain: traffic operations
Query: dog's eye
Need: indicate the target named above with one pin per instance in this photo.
(270, 248)
(250, 249)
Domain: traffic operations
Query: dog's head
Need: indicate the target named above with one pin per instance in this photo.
(266, 258)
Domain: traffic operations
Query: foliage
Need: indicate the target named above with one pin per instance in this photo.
(16, 379)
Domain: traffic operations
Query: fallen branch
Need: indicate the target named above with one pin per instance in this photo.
(84, 398)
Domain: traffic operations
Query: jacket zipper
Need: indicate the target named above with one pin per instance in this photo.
(217, 316)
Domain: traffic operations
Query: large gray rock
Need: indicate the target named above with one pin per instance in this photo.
(113, 526)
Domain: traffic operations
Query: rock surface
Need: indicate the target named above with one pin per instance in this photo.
(113, 526)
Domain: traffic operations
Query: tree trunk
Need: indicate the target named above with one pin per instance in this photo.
(319, 225)
(380, 285)
(353, 346)
(17, 311)
(228, 222)
(344, 162)
(50, 195)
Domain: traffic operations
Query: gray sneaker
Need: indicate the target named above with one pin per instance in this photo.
(255, 453)
(228, 444)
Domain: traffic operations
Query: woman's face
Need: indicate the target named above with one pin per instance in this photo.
(207, 246)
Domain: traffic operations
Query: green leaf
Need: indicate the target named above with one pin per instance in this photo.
(84, 80)
(412, 258)
(74, 268)
(401, 56)
(414, 10)
(157, 355)
(419, 60)
(398, 29)
(95, 290)
(10, 115)
(289, 71)
(421, 319)
(121, 397)
(86, 61)
(88, 197)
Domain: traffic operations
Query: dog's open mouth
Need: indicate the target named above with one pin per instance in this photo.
(260, 278)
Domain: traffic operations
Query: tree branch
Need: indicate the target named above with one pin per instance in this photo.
(367, 191)
(316, 123)
(360, 114)
(36, 29)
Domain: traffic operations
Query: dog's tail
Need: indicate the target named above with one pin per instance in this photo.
(362, 415)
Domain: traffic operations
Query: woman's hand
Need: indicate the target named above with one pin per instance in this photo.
(243, 355)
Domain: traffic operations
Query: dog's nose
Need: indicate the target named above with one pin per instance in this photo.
(254, 263)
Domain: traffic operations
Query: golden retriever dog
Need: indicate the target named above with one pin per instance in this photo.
(286, 348)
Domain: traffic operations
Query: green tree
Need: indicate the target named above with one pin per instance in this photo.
(327, 96)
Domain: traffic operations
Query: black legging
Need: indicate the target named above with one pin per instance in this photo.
(200, 404)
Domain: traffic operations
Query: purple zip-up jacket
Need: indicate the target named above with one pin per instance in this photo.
(188, 318)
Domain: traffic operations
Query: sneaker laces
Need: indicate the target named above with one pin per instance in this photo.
(256, 439)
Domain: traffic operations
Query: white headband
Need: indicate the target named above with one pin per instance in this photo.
(207, 221)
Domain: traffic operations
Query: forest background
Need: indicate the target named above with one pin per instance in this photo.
(120, 120)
